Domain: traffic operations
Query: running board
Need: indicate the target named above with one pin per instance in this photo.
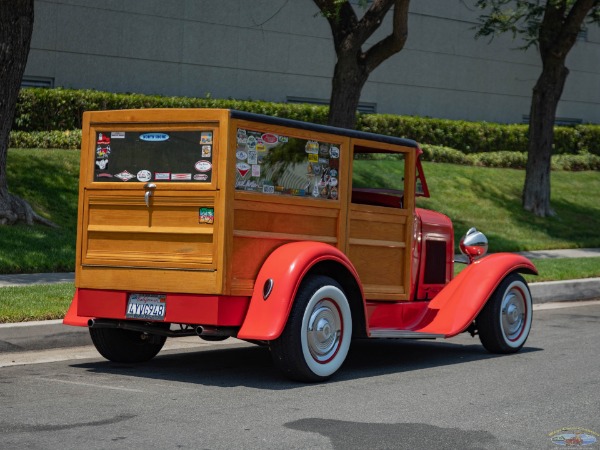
(403, 334)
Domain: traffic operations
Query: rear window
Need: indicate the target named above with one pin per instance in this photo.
(173, 156)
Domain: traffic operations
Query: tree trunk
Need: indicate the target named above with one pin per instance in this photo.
(347, 83)
(353, 64)
(16, 27)
(546, 95)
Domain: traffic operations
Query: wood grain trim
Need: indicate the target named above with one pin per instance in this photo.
(150, 230)
(376, 243)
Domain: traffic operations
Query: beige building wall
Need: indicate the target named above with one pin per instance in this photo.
(278, 50)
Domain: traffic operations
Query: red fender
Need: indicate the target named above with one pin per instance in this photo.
(286, 266)
(71, 318)
(456, 306)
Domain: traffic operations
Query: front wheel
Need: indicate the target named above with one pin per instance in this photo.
(126, 346)
(316, 338)
(505, 321)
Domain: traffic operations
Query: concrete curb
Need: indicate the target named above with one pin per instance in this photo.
(569, 290)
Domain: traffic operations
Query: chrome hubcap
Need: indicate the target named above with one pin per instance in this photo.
(513, 314)
(324, 331)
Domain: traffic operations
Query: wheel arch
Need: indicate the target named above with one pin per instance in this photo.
(286, 267)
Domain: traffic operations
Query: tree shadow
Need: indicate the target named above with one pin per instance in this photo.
(374, 436)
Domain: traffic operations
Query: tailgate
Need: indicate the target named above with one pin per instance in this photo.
(149, 212)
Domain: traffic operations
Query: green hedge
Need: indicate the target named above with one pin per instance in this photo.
(41, 109)
(68, 139)
(62, 109)
(506, 159)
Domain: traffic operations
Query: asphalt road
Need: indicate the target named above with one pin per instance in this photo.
(388, 395)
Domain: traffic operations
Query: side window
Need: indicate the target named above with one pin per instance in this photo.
(284, 165)
(378, 178)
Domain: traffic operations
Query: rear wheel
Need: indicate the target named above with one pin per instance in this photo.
(505, 321)
(316, 338)
(126, 346)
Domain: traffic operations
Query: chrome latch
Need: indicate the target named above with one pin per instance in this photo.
(149, 193)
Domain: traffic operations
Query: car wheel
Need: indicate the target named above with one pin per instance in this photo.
(316, 338)
(505, 321)
(126, 346)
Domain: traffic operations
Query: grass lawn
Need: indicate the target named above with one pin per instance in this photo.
(490, 200)
(48, 180)
(37, 302)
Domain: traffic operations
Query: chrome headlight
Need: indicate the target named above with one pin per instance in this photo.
(474, 244)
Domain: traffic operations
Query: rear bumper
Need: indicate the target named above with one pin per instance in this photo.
(193, 309)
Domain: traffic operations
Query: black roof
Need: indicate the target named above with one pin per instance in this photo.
(322, 128)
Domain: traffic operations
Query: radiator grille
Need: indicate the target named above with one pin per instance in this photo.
(435, 264)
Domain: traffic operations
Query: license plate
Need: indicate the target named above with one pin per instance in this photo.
(146, 306)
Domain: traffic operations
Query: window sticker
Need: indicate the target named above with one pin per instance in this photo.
(283, 165)
(154, 155)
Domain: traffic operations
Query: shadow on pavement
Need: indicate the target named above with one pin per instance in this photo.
(251, 366)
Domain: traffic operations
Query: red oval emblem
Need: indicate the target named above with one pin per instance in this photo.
(269, 138)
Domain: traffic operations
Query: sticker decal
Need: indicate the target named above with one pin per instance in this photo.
(117, 135)
(206, 151)
(203, 166)
(200, 177)
(269, 138)
(103, 139)
(242, 168)
(104, 175)
(124, 176)
(334, 152)
(251, 143)
(241, 155)
(312, 147)
(181, 176)
(162, 176)
(102, 163)
(333, 194)
(144, 175)
(102, 152)
(154, 137)
(206, 215)
(252, 157)
(206, 137)
(256, 170)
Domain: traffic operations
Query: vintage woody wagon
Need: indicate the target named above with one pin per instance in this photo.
(288, 234)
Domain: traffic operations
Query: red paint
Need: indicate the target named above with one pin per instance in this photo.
(71, 318)
(286, 266)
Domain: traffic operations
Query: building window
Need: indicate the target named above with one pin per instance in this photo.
(39, 82)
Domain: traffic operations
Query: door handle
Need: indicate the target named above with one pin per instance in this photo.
(149, 193)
